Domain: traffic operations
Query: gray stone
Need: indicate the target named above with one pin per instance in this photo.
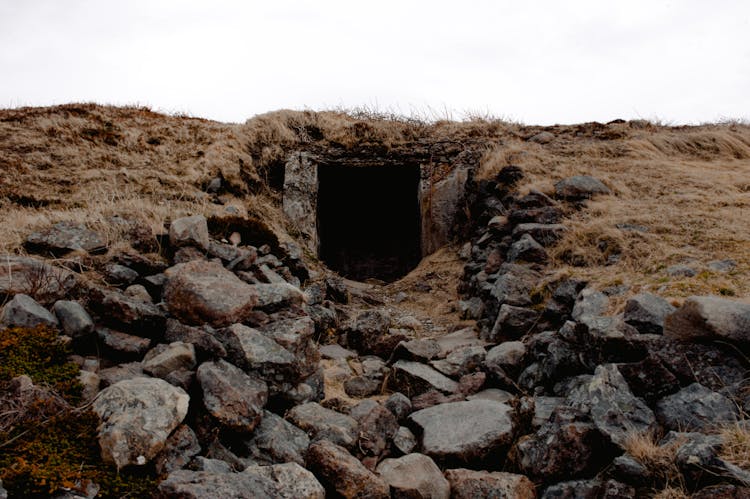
(296, 336)
(616, 412)
(458, 339)
(368, 329)
(200, 463)
(232, 397)
(376, 430)
(505, 358)
(137, 417)
(512, 323)
(421, 350)
(187, 484)
(464, 432)
(514, 284)
(414, 476)
(590, 303)
(681, 270)
(117, 274)
(181, 446)
(722, 266)
(695, 408)
(710, 317)
(360, 386)
(342, 474)
(276, 440)
(461, 361)
(64, 237)
(300, 197)
(646, 313)
(138, 292)
(494, 394)
(189, 231)
(74, 319)
(25, 275)
(166, 358)
(119, 310)
(473, 308)
(293, 481)
(122, 345)
(526, 249)
(544, 407)
(544, 234)
(24, 311)
(470, 484)
(205, 344)
(404, 440)
(580, 187)
(413, 378)
(251, 350)
(321, 423)
(201, 292)
(336, 352)
(399, 404)
(111, 375)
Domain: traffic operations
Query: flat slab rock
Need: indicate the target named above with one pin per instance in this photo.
(201, 292)
(322, 423)
(64, 237)
(137, 417)
(463, 432)
(413, 378)
(414, 475)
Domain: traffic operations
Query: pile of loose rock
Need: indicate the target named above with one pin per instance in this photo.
(209, 367)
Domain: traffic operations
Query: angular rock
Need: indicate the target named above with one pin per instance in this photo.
(201, 292)
(336, 352)
(120, 372)
(336, 290)
(567, 446)
(413, 378)
(251, 350)
(137, 416)
(74, 319)
(368, 329)
(180, 448)
(24, 275)
(649, 379)
(138, 292)
(505, 358)
(459, 339)
(376, 430)
(293, 481)
(118, 275)
(470, 484)
(324, 424)
(276, 296)
(512, 323)
(414, 476)
(646, 313)
(189, 231)
(232, 397)
(399, 404)
(164, 359)
(342, 474)
(276, 440)
(695, 408)
(712, 318)
(464, 432)
(590, 303)
(64, 237)
(360, 386)
(514, 284)
(461, 361)
(526, 249)
(206, 345)
(544, 234)
(296, 336)
(404, 440)
(616, 412)
(186, 484)
(681, 270)
(122, 345)
(544, 407)
(24, 311)
(580, 187)
(119, 310)
(421, 350)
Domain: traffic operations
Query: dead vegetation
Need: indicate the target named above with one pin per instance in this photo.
(683, 193)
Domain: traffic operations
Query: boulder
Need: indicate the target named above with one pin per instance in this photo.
(118, 310)
(580, 187)
(200, 292)
(646, 313)
(292, 480)
(368, 329)
(137, 416)
(189, 231)
(413, 378)
(296, 336)
(276, 440)
(342, 474)
(251, 350)
(505, 358)
(278, 295)
(464, 432)
(24, 311)
(695, 408)
(64, 237)
(324, 424)
(470, 484)
(166, 358)
(25, 275)
(616, 412)
(711, 318)
(414, 476)
(568, 446)
(526, 249)
(74, 320)
(232, 397)
(514, 285)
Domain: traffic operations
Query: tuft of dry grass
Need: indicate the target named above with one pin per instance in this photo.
(736, 444)
(671, 493)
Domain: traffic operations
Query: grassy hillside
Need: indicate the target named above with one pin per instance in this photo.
(688, 186)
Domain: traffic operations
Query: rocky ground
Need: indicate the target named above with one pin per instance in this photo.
(229, 365)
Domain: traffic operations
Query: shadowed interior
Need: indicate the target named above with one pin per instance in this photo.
(368, 220)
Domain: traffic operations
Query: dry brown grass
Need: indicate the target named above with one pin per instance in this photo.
(671, 493)
(736, 444)
(660, 461)
(689, 186)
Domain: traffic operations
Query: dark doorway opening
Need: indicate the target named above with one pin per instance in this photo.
(368, 220)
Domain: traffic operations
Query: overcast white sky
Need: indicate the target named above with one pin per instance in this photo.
(540, 62)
